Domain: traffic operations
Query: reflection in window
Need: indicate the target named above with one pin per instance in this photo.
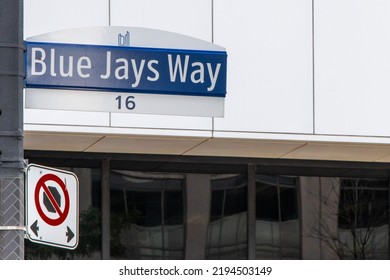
(146, 215)
(277, 222)
(227, 231)
(364, 219)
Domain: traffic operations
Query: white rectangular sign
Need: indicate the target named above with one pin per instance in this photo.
(52, 206)
(120, 102)
(125, 70)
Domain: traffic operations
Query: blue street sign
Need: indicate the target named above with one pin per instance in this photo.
(126, 69)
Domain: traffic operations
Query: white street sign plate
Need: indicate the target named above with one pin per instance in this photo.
(125, 70)
(52, 206)
(114, 102)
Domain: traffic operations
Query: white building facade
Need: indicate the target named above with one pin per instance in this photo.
(304, 127)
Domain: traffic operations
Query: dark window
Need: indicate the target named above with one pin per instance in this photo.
(147, 214)
(363, 219)
(277, 218)
(227, 231)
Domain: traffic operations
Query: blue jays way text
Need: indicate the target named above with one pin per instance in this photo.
(126, 69)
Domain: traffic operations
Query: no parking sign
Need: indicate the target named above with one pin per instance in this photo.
(52, 206)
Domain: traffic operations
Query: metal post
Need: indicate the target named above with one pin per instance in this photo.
(106, 255)
(11, 130)
(251, 212)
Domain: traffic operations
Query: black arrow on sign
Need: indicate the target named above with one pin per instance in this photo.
(69, 234)
(35, 228)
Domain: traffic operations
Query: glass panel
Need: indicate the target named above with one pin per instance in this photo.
(227, 231)
(364, 219)
(277, 218)
(289, 225)
(215, 225)
(146, 216)
(173, 225)
(267, 202)
(267, 221)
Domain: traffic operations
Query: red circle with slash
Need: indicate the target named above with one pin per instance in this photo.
(62, 214)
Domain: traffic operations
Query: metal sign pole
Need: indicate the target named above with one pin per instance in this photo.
(11, 130)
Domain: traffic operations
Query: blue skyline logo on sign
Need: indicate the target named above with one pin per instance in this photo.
(124, 40)
(126, 69)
